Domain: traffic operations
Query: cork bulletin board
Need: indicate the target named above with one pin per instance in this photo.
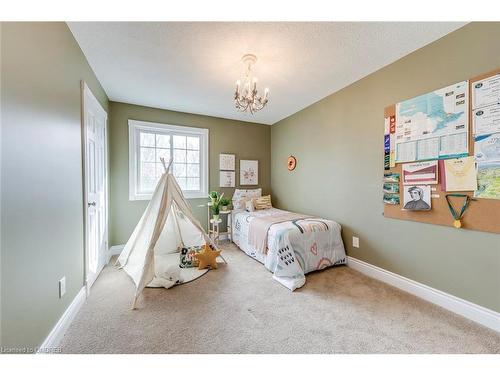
(481, 215)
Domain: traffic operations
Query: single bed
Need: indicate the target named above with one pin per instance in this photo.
(294, 247)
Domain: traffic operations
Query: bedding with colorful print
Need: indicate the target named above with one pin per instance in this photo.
(295, 247)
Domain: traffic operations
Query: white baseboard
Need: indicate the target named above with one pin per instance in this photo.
(114, 250)
(55, 336)
(478, 314)
(57, 333)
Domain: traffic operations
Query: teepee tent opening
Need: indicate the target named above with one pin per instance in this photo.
(166, 225)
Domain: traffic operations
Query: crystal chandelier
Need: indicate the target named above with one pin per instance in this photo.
(246, 97)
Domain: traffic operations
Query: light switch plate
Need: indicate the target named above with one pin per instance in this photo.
(62, 287)
(355, 241)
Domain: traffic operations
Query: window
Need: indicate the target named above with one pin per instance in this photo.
(187, 147)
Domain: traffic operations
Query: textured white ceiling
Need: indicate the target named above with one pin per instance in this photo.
(192, 66)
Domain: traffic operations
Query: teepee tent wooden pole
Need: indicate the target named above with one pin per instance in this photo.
(166, 169)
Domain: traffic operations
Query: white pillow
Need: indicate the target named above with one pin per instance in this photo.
(241, 195)
(249, 205)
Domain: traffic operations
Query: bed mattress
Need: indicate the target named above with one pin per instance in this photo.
(294, 247)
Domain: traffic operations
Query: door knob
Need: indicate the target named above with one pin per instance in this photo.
(91, 204)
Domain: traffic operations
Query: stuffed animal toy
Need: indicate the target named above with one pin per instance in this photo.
(207, 258)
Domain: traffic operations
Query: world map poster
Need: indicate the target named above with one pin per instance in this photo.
(433, 125)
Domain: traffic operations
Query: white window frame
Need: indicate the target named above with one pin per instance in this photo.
(135, 126)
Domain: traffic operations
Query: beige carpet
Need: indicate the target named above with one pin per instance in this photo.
(239, 308)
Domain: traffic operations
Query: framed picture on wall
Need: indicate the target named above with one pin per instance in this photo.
(249, 172)
(227, 162)
(227, 179)
(417, 198)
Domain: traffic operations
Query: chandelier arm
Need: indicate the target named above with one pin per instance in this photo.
(238, 99)
(240, 102)
(259, 107)
(241, 105)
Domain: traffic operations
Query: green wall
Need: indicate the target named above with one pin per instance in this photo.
(338, 143)
(246, 140)
(41, 168)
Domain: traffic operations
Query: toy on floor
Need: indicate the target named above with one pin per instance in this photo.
(168, 278)
(207, 257)
(187, 256)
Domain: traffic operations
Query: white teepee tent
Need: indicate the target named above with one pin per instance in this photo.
(166, 224)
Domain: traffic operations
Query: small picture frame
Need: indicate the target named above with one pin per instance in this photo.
(227, 162)
(417, 198)
(249, 172)
(227, 179)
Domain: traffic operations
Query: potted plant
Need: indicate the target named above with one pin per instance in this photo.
(215, 198)
(224, 203)
(215, 211)
(213, 195)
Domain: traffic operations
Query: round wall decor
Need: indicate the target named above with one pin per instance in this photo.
(291, 163)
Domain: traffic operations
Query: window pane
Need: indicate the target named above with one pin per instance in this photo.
(193, 143)
(147, 139)
(163, 153)
(147, 177)
(179, 156)
(147, 154)
(179, 141)
(182, 182)
(163, 140)
(193, 170)
(159, 170)
(179, 170)
(181, 147)
(193, 156)
(193, 184)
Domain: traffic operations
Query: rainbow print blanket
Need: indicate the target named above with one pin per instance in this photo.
(295, 247)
